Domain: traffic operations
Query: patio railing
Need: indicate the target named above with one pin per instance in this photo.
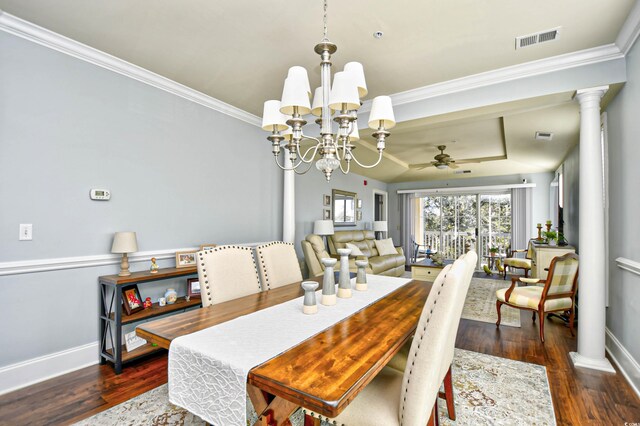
(454, 243)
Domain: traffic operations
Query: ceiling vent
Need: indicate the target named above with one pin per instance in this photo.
(537, 38)
(462, 172)
(544, 136)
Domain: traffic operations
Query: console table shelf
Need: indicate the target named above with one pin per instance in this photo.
(112, 316)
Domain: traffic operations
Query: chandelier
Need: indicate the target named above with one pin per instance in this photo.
(284, 118)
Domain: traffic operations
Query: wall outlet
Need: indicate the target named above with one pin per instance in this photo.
(26, 232)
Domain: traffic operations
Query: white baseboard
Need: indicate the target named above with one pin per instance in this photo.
(23, 374)
(628, 366)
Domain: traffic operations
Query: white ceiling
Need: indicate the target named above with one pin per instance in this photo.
(239, 52)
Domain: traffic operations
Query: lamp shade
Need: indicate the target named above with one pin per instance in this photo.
(357, 75)
(355, 135)
(287, 133)
(323, 227)
(271, 116)
(344, 91)
(380, 226)
(294, 94)
(300, 75)
(381, 113)
(316, 107)
(124, 242)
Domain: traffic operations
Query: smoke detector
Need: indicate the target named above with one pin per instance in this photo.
(537, 38)
(544, 136)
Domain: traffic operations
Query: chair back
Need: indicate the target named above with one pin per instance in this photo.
(278, 264)
(428, 353)
(563, 275)
(227, 273)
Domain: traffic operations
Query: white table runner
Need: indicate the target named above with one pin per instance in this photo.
(208, 369)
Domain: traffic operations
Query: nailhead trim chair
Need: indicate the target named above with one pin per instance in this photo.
(418, 385)
(227, 273)
(278, 264)
(557, 294)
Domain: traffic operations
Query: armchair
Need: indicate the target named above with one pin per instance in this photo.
(557, 294)
(514, 262)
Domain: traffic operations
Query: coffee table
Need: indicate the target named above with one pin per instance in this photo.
(426, 270)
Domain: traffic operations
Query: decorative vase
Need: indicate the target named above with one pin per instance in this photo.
(309, 306)
(344, 280)
(329, 282)
(361, 279)
(171, 296)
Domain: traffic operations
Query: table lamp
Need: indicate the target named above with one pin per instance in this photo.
(323, 228)
(124, 242)
(380, 226)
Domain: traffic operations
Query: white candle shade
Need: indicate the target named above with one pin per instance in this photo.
(357, 75)
(323, 227)
(287, 133)
(124, 242)
(300, 75)
(271, 116)
(316, 107)
(380, 226)
(344, 91)
(381, 111)
(294, 94)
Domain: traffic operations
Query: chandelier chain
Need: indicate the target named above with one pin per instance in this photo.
(325, 38)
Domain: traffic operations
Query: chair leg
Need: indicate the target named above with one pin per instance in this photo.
(572, 318)
(448, 391)
(311, 421)
(526, 273)
(505, 272)
(541, 314)
(533, 316)
(498, 306)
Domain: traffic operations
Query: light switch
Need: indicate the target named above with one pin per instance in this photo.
(26, 232)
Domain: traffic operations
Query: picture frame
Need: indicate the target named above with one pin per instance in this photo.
(326, 214)
(193, 288)
(359, 203)
(131, 299)
(359, 215)
(326, 200)
(185, 259)
(132, 341)
(207, 246)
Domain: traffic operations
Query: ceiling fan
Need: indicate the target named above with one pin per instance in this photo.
(442, 161)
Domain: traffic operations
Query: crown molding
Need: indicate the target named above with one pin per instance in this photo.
(501, 75)
(29, 31)
(630, 30)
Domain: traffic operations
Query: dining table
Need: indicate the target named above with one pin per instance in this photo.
(322, 373)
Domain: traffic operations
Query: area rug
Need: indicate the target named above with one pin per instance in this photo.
(488, 390)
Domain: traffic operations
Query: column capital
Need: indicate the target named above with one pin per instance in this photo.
(591, 92)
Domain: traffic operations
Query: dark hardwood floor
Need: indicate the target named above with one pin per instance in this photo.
(580, 396)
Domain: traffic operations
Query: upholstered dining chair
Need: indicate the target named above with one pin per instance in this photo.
(278, 264)
(399, 361)
(514, 262)
(226, 273)
(409, 398)
(556, 295)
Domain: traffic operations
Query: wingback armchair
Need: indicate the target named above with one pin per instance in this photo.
(556, 295)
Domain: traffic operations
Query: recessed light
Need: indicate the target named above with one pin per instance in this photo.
(378, 34)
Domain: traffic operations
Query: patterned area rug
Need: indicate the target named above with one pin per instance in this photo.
(487, 391)
(480, 304)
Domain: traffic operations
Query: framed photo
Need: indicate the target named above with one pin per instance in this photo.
(359, 215)
(185, 259)
(131, 299)
(326, 214)
(207, 246)
(359, 203)
(326, 200)
(132, 341)
(193, 288)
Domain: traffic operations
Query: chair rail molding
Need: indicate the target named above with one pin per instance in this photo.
(628, 265)
(34, 33)
(45, 265)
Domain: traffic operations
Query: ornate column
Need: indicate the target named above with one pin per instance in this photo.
(591, 287)
(288, 202)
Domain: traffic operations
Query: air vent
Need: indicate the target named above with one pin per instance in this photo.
(544, 136)
(537, 38)
(462, 172)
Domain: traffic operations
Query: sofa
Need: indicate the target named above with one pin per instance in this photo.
(314, 249)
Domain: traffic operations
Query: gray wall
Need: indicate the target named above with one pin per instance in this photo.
(624, 227)
(571, 176)
(312, 186)
(540, 195)
(174, 168)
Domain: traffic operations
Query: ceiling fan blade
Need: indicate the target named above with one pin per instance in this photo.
(420, 166)
(453, 165)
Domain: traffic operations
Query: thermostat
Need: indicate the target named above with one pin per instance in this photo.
(100, 194)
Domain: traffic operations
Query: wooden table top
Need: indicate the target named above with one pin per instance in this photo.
(325, 372)
(429, 263)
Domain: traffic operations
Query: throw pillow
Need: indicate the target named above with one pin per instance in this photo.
(385, 247)
(355, 251)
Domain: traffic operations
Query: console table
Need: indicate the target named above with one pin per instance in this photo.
(426, 270)
(541, 256)
(112, 317)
